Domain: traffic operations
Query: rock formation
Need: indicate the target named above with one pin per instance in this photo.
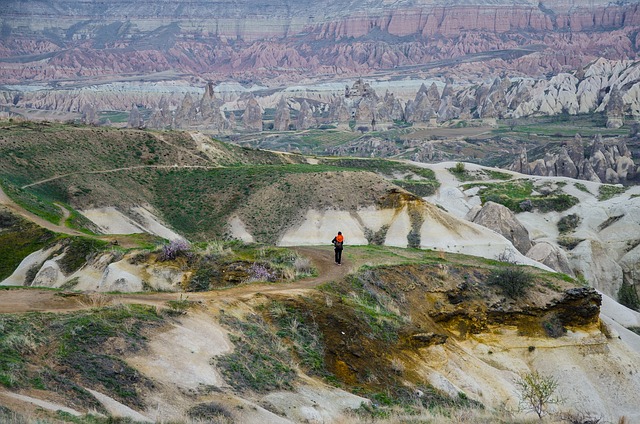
(607, 163)
(501, 220)
(615, 108)
(282, 118)
(135, 119)
(252, 117)
(305, 117)
(552, 256)
(204, 113)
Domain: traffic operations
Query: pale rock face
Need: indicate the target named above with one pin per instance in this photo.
(118, 277)
(49, 275)
(252, 118)
(501, 220)
(610, 163)
(239, 231)
(630, 264)
(611, 176)
(552, 256)
(565, 166)
(282, 118)
(19, 276)
(438, 231)
(305, 117)
(597, 263)
(319, 227)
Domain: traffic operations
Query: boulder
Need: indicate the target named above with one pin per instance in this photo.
(501, 220)
(611, 176)
(552, 256)
(625, 168)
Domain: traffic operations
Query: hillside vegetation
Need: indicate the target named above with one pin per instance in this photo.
(371, 333)
(195, 188)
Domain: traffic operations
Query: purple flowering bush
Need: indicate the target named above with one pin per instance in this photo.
(259, 272)
(173, 250)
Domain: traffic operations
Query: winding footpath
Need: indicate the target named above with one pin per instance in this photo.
(36, 300)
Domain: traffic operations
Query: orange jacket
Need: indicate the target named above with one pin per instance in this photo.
(339, 238)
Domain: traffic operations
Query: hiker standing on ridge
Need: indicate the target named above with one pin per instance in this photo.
(338, 241)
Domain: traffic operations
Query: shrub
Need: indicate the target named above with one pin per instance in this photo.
(569, 243)
(259, 272)
(513, 280)
(202, 278)
(413, 239)
(568, 223)
(376, 238)
(553, 327)
(211, 412)
(606, 191)
(173, 250)
(179, 306)
(628, 296)
(303, 266)
(537, 392)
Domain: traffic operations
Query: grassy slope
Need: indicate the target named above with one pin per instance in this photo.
(267, 190)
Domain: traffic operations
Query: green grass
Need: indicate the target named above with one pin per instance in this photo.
(40, 201)
(582, 187)
(18, 239)
(381, 166)
(198, 203)
(78, 251)
(75, 354)
(403, 399)
(464, 175)
(259, 361)
(606, 191)
(299, 329)
(512, 193)
(564, 126)
(374, 307)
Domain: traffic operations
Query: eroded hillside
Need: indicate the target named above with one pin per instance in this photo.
(424, 335)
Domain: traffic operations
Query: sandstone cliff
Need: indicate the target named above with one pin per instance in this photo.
(58, 40)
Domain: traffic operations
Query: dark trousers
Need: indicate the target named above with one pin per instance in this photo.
(338, 255)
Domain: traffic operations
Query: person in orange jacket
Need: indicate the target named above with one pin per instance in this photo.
(338, 242)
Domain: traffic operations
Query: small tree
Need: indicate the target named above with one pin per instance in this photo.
(537, 392)
(513, 280)
(459, 168)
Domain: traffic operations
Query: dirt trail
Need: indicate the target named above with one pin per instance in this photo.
(14, 207)
(34, 300)
(109, 171)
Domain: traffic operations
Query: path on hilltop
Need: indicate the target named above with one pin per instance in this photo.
(35, 300)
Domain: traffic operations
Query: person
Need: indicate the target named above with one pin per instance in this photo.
(338, 242)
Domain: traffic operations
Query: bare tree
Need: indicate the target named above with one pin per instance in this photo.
(537, 392)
